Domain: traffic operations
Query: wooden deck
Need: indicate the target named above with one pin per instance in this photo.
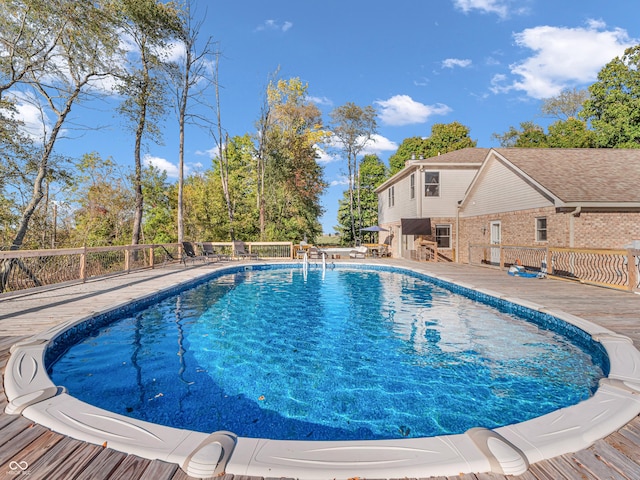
(30, 449)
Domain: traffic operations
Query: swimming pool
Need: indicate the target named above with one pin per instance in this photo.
(341, 354)
(507, 449)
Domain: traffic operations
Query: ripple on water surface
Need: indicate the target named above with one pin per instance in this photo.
(342, 354)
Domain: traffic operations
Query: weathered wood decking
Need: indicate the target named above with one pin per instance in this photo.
(26, 448)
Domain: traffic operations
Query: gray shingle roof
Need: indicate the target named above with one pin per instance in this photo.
(466, 155)
(581, 174)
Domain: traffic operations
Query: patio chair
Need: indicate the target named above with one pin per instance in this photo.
(210, 252)
(239, 251)
(358, 252)
(316, 253)
(189, 253)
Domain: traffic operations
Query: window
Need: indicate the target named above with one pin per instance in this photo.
(413, 185)
(443, 236)
(431, 184)
(541, 229)
(392, 199)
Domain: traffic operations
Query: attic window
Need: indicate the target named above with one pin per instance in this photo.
(431, 184)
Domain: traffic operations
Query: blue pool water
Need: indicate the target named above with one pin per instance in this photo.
(342, 355)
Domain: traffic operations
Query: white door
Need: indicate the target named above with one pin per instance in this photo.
(496, 239)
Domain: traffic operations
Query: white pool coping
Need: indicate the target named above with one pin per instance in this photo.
(506, 450)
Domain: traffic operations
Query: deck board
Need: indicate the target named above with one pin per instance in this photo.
(52, 456)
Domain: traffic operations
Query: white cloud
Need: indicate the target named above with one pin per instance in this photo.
(210, 153)
(564, 57)
(325, 157)
(320, 100)
(379, 144)
(339, 182)
(456, 62)
(36, 125)
(499, 7)
(161, 164)
(35, 122)
(403, 110)
(274, 25)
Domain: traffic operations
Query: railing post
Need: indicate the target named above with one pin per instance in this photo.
(633, 270)
(152, 257)
(435, 252)
(547, 258)
(83, 264)
(501, 250)
(127, 259)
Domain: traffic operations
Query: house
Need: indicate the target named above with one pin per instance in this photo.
(421, 200)
(580, 198)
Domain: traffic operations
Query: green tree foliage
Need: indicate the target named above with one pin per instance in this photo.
(373, 173)
(353, 127)
(159, 219)
(444, 138)
(613, 107)
(290, 178)
(52, 53)
(530, 135)
(150, 24)
(104, 198)
(205, 202)
(570, 133)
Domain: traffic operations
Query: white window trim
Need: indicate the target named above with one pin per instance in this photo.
(426, 172)
(450, 236)
(538, 230)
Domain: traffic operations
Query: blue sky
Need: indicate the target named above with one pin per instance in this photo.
(484, 63)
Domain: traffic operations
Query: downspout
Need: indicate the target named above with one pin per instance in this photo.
(457, 259)
(574, 214)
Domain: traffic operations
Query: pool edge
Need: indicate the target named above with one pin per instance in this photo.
(31, 392)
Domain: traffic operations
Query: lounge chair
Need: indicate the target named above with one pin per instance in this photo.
(316, 253)
(358, 252)
(239, 251)
(189, 253)
(210, 252)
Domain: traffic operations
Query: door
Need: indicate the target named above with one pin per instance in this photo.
(496, 239)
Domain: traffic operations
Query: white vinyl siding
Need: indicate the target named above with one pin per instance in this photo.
(501, 190)
(453, 184)
(404, 206)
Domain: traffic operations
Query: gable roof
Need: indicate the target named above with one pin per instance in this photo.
(579, 175)
(466, 157)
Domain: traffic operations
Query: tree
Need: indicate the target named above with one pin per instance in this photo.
(530, 135)
(353, 128)
(69, 47)
(150, 25)
(444, 138)
(103, 197)
(613, 107)
(566, 105)
(290, 178)
(190, 77)
(570, 133)
(373, 173)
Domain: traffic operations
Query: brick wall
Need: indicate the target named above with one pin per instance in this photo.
(590, 230)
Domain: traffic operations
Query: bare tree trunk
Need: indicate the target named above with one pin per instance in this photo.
(222, 156)
(352, 220)
(142, 120)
